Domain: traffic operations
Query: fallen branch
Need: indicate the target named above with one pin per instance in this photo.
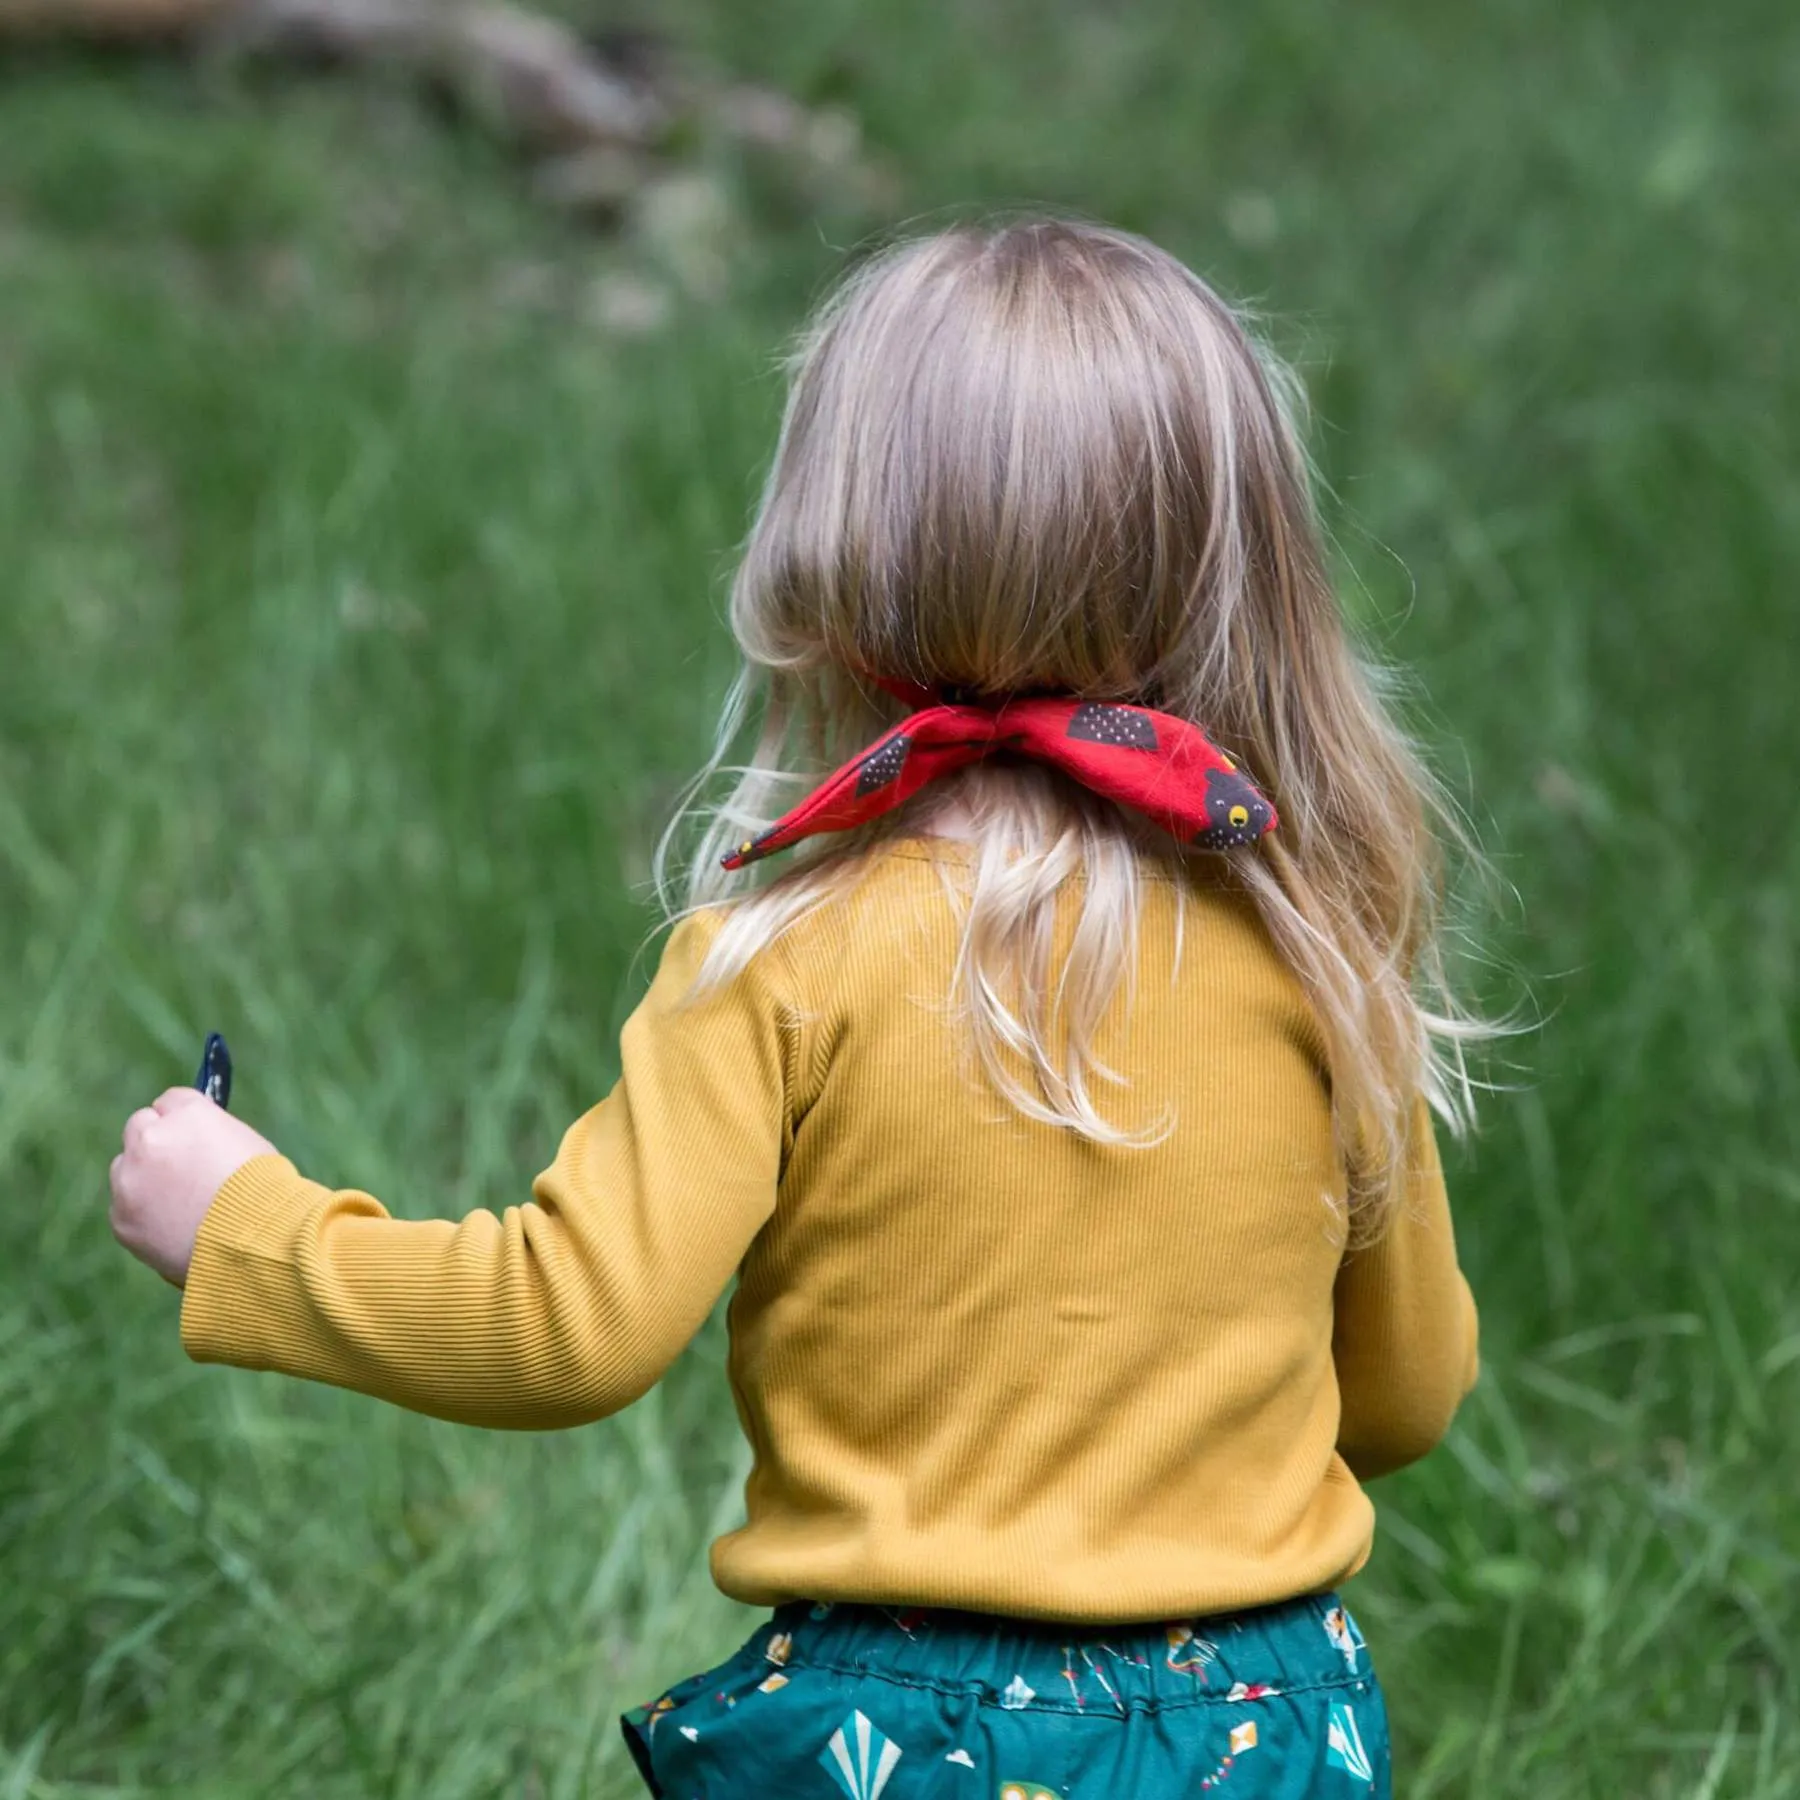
(596, 123)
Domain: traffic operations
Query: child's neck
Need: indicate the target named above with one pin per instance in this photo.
(952, 819)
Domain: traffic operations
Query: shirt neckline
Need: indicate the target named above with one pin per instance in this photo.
(925, 847)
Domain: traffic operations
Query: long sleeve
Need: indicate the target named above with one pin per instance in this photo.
(554, 1312)
(1404, 1338)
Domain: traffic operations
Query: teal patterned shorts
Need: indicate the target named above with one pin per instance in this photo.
(876, 1703)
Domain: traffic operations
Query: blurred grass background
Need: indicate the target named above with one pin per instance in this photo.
(360, 565)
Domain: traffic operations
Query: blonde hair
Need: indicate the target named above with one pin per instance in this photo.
(1041, 455)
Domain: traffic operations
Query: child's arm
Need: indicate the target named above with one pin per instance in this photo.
(551, 1313)
(1405, 1340)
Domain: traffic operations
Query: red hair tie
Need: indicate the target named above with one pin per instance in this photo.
(1152, 761)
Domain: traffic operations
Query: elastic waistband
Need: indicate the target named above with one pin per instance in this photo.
(1019, 1663)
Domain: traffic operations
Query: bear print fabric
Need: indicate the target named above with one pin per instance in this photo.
(883, 764)
(1235, 812)
(1130, 727)
(1151, 761)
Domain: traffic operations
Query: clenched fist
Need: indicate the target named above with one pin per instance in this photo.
(178, 1153)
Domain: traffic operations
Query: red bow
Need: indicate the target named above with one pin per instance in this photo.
(1153, 761)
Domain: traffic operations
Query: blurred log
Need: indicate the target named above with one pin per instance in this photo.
(594, 121)
(527, 77)
(534, 78)
(524, 75)
(324, 30)
(108, 20)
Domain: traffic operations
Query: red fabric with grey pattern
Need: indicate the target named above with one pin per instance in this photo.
(1152, 761)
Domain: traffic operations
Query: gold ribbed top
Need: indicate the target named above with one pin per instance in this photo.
(982, 1362)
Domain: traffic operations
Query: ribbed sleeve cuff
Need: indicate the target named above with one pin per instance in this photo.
(244, 1248)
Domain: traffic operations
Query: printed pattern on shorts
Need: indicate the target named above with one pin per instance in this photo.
(848, 1702)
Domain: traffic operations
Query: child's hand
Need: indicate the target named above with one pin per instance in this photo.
(178, 1153)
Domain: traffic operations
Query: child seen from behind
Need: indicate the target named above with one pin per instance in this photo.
(1060, 1105)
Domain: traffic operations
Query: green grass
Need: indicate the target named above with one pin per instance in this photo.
(359, 615)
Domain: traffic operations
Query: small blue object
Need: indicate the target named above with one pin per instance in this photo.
(1344, 1745)
(214, 1079)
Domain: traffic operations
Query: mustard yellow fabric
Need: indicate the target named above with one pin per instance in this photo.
(982, 1363)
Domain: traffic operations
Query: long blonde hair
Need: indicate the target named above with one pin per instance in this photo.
(1041, 455)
